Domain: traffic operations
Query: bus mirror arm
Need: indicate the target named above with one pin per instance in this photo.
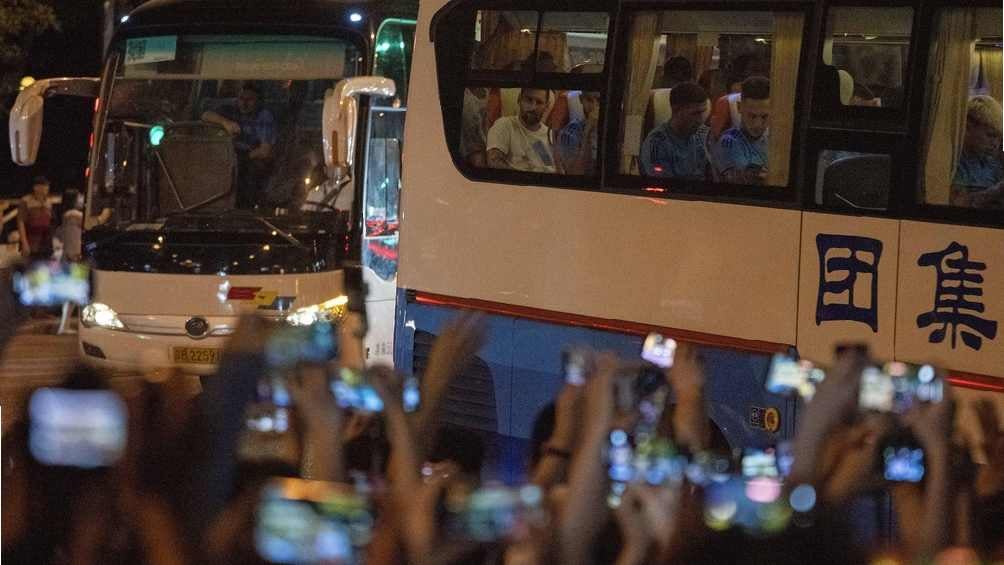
(25, 124)
(340, 119)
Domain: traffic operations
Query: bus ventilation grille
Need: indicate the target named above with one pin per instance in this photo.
(470, 400)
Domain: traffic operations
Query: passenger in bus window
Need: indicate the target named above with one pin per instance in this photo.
(677, 148)
(978, 177)
(577, 142)
(523, 142)
(725, 111)
(254, 133)
(472, 132)
(740, 155)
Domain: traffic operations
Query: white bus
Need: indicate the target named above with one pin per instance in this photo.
(225, 175)
(849, 226)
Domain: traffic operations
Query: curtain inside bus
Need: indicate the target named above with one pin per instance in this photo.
(641, 74)
(783, 79)
(948, 87)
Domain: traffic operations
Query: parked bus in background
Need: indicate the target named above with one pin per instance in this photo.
(568, 183)
(225, 175)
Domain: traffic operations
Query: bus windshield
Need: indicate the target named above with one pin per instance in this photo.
(218, 123)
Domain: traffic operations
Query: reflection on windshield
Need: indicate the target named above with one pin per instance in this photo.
(177, 140)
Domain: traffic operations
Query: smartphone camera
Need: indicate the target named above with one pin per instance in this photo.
(760, 463)
(896, 387)
(575, 366)
(352, 389)
(646, 458)
(51, 283)
(788, 375)
(659, 350)
(903, 462)
(496, 512)
(76, 428)
(294, 345)
(300, 521)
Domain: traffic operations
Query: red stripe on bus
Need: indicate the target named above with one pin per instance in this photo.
(978, 382)
(965, 380)
(621, 326)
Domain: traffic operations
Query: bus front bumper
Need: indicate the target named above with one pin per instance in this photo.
(122, 350)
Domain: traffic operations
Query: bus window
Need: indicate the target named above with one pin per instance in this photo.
(865, 56)
(685, 115)
(963, 164)
(577, 41)
(503, 40)
(854, 180)
(393, 49)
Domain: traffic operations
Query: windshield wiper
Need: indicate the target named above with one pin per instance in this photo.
(250, 215)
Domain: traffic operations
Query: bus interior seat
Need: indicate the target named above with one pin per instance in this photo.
(198, 156)
(859, 181)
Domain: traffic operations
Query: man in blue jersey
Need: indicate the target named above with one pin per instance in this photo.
(676, 148)
(740, 155)
(980, 171)
(254, 133)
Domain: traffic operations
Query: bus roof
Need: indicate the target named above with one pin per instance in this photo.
(210, 15)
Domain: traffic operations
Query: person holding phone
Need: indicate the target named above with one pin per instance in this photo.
(740, 154)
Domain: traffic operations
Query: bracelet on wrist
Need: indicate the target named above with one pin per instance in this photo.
(557, 452)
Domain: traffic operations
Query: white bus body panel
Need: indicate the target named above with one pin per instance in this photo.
(816, 337)
(155, 307)
(918, 285)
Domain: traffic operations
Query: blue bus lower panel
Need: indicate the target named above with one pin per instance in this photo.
(519, 372)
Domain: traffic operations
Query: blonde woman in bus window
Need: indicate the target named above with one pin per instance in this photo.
(523, 142)
(978, 176)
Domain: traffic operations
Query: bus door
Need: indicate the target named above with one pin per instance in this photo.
(382, 186)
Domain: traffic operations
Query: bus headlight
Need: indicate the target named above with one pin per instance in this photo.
(329, 311)
(100, 315)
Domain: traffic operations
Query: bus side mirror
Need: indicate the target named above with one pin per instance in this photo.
(341, 111)
(26, 116)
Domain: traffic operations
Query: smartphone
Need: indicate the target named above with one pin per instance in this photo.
(51, 283)
(877, 390)
(659, 350)
(497, 512)
(575, 366)
(352, 389)
(290, 346)
(77, 428)
(903, 461)
(755, 505)
(708, 467)
(788, 375)
(895, 387)
(640, 388)
(646, 458)
(760, 463)
(302, 521)
(785, 458)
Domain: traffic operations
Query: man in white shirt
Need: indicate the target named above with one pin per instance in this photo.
(523, 142)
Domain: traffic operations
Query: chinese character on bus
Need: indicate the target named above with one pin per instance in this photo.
(956, 297)
(842, 260)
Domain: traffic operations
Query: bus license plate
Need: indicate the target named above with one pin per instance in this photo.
(196, 355)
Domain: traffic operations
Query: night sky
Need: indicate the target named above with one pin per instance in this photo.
(74, 50)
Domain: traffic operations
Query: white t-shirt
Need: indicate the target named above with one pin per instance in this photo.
(525, 150)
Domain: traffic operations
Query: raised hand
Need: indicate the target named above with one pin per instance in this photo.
(990, 477)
